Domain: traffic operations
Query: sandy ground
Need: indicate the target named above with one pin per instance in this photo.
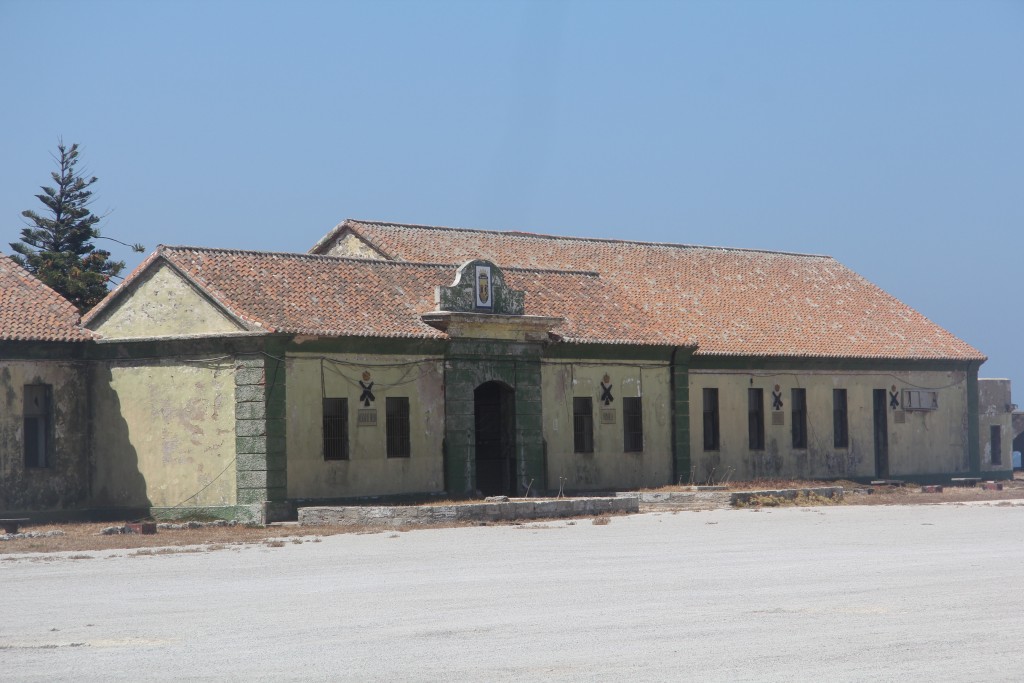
(929, 592)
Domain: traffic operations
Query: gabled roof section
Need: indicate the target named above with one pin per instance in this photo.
(339, 297)
(31, 311)
(733, 302)
(137, 279)
(345, 239)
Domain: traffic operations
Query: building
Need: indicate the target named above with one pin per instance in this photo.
(399, 360)
(44, 423)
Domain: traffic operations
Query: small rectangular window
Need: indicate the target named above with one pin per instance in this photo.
(840, 424)
(755, 419)
(582, 424)
(711, 417)
(919, 399)
(398, 441)
(335, 428)
(632, 424)
(996, 444)
(798, 404)
(38, 424)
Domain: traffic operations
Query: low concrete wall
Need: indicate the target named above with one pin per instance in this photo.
(413, 515)
(681, 500)
(742, 497)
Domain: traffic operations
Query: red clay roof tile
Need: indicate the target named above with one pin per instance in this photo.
(31, 311)
(731, 301)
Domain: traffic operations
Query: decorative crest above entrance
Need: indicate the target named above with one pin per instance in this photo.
(479, 287)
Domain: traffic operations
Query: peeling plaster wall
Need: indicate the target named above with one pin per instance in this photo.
(928, 442)
(65, 483)
(609, 466)
(162, 303)
(995, 409)
(163, 432)
(368, 471)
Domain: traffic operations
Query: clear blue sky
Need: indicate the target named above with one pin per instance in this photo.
(887, 134)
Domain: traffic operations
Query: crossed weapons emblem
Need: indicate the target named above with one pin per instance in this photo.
(367, 396)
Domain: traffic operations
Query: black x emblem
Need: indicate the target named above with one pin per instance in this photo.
(776, 400)
(894, 401)
(606, 393)
(367, 394)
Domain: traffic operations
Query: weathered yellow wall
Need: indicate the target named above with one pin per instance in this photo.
(609, 466)
(64, 484)
(162, 304)
(368, 471)
(995, 409)
(928, 442)
(162, 432)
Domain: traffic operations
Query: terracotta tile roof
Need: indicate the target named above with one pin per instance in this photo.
(31, 311)
(332, 296)
(731, 301)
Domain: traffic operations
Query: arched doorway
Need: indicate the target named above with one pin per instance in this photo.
(494, 410)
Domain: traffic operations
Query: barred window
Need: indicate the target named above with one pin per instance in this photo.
(798, 403)
(632, 424)
(335, 428)
(711, 438)
(840, 424)
(755, 419)
(38, 424)
(583, 424)
(399, 444)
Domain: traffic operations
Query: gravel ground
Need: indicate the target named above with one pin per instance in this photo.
(896, 593)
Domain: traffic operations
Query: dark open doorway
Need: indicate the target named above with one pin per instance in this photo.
(495, 412)
(881, 428)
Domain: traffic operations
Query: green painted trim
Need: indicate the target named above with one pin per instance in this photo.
(973, 420)
(610, 352)
(56, 351)
(375, 345)
(169, 348)
(679, 386)
(762, 363)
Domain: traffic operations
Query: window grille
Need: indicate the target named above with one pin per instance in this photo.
(840, 424)
(398, 442)
(583, 424)
(711, 419)
(38, 423)
(632, 424)
(798, 404)
(755, 419)
(335, 428)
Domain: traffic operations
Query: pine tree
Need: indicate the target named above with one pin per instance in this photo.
(58, 247)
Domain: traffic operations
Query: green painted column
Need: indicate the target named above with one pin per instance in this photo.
(260, 431)
(681, 415)
(973, 421)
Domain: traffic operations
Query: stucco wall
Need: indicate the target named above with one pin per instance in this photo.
(65, 483)
(163, 432)
(995, 409)
(162, 303)
(368, 471)
(932, 441)
(609, 466)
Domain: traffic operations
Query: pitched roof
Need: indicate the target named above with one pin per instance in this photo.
(333, 296)
(731, 301)
(31, 311)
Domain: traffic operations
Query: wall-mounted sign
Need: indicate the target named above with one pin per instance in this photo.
(607, 416)
(366, 385)
(484, 298)
(606, 390)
